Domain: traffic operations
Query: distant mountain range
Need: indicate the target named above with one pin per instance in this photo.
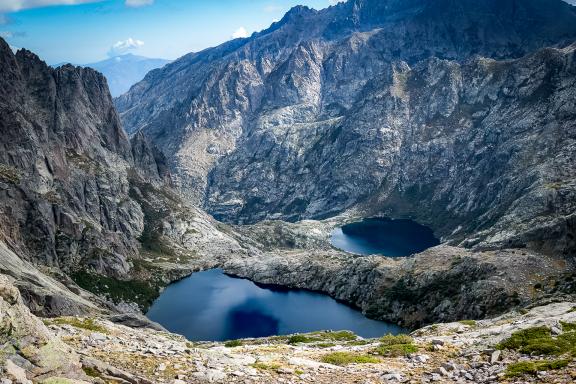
(124, 71)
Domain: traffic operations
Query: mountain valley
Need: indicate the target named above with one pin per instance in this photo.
(248, 156)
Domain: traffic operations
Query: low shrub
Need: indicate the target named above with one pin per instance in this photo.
(233, 343)
(345, 358)
(533, 367)
(266, 366)
(295, 339)
(88, 324)
(539, 341)
(395, 346)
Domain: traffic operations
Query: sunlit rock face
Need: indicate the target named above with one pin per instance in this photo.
(384, 107)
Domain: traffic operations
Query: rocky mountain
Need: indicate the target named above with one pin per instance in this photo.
(68, 178)
(384, 108)
(125, 70)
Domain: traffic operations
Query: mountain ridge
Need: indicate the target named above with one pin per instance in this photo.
(276, 126)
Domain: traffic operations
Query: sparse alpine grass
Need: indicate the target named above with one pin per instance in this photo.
(323, 337)
(533, 367)
(233, 343)
(345, 358)
(88, 324)
(539, 341)
(396, 346)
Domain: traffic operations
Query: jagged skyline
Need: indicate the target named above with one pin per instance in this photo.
(84, 31)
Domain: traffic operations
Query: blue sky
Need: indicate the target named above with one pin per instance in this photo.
(86, 31)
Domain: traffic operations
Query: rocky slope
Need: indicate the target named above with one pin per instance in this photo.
(93, 350)
(383, 107)
(79, 202)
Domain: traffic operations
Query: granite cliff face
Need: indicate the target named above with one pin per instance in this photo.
(383, 108)
(67, 179)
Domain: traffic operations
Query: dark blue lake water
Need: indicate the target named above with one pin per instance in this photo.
(212, 306)
(381, 236)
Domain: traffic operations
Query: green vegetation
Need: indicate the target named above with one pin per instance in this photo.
(533, 367)
(9, 174)
(345, 358)
(88, 324)
(89, 371)
(140, 292)
(323, 337)
(359, 342)
(295, 339)
(266, 366)
(539, 341)
(470, 323)
(395, 346)
(568, 327)
(233, 343)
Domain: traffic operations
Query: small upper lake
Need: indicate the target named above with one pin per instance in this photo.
(213, 306)
(381, 236)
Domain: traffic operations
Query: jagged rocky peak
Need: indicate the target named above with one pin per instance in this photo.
(66, 169)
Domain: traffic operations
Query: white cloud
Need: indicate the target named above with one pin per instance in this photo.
(334, 2)
(240, 33)
(138, 3)
(121, 47)
(17, 5)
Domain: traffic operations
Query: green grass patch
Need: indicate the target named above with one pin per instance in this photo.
(233, 343)
(395, 346)
(533, 367)
(359, 342)
(470, 323)
(337, 336)
(88, 324)
(539, 341)
(322, 337)
(395, 340)
(140, 292)
(89, 371)
(568, 327)
(296, 339)
(266, 366)
(345, 358)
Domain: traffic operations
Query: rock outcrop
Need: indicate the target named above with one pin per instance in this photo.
(462, 352)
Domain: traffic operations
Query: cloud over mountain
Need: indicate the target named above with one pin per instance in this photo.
(124, 46)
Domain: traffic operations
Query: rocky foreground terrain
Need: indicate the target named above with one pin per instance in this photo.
(96, 350)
